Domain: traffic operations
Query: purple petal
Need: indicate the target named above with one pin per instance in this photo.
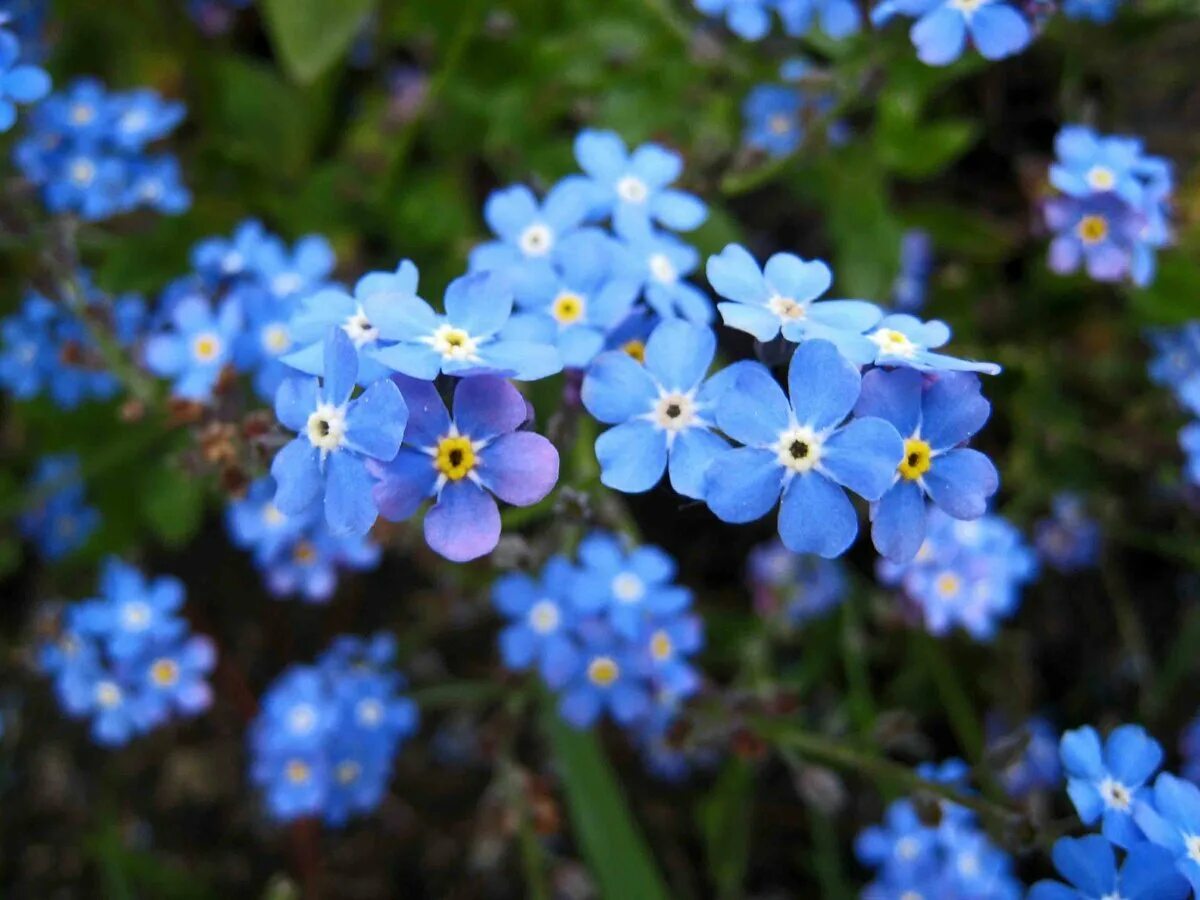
(404, 484)
(519, 468)
(464, 524)
(486, 406)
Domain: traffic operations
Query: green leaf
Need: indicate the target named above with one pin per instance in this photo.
(173, 506)
(725, 823)
(311, 35)
(1174, 296)
(920, 150)
(611, 842)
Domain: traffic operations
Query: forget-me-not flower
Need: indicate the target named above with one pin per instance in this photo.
(1172, 820)
(905, 341)
(1090, 865)
(995, 27)
(194, 349)
(1108, 780)
(660, 263)
(19, 82)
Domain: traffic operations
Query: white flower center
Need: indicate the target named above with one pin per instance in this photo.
(628, 588)
(1101, 178)
(83, 170)
(662, 269)
(232, 262)
(779, 124)
(276, 339)
(674, 411)
(454, 343)
(327, 427)
(799, 449)
(536, 240)
(302, 719)
(370, 711)
(134, 120)
(135, 616)
(206, 347)
(907, 848)
(893, 343)
(1116, 795)
(82, 114)
(286, 283)
(1191, 844)
(360, 329)
(272, 516)
(108, 694)
(968, 864)
(786, 308)
(151, 189)
(348, 771)
(544, 617)
(632, 190)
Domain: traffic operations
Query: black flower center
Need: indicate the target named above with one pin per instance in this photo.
(798, 449)
(323, 427)
(914, 460)
(673, 411)
(456, 458)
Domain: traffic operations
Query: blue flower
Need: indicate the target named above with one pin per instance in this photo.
(19, 83)
(195, 347)
(261, 346)
(838, 18)
(300, 271)
(530, 234)
(773, 120)
(940, 33)
(780, 298)
(1038, 766)
(256, 524)
(460, 462)
(1090, 866)
(176, 680)
(1101, 11)
(906, 341)
(336, 436)
(802, 450)
(633, 187)
(916, 262)
(1070, 539)
(610, 677)
(141, 116)
(793, 587)
(157, 184)
(662, 409)
(468, 340)
(1172, 820)
(903, 847)
(1090, 164)
(218, 259)
(935, 420)
(60, 521)
(310, 563)
(748, 19)
(628, 590)
(1107, 781)
(1098, 232)
(541, 618)
(660, 262)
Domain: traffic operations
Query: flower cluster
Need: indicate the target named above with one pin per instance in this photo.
(1112, 211)
(779, 117)
(236, 309)
(1154, 825)
(1069, 540)
(126, 659)
(47, 347)
(297, 555)
(326, 738)
(966, 574)
(996, 28)
(610, 634)
(87, 152)
(20, 82)
(946, 854)
(793, 588)
(60, 521)
(751, 19)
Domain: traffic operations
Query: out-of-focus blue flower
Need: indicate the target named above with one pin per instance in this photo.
(1172, 820)
(793, 587)
(627, 589)
(916, 263)
(196, 346)
(60, 521)
(660, 263)
(1090, 866)
(907, 342)
(778, 116)
(996, 28)
(1176, 362)
(1038, 766)
(935, 417)
(967, 574)
(541, 614)
(27, 20)
(1102, 11)
(661, 408)
(1069, 540)
(125, 660)
(748, 19)
(837, 18)
(801, 449)
(327, 734)
(327, 460)
(1089, 164)
(1098, 232)
(19, 82)
(1107, 781)
(783, 297)
(460, 461)
(218, 259)
(1189, 441)
(633, 188)
(86, 150)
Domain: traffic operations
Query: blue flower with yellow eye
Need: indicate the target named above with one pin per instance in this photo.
(793, 588)
(1090, 865)
(662, 409)
(336, 436)
(1098, 232)
(1069, 539)
(195, 346)
(634, 188)
(782, 297)
(802, 449)
(218, 259)
(609, 676)
(935, 417)
(1106, 781)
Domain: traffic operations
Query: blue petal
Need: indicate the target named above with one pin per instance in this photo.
(632, 456)
(735, 275)
(399, 318)
(894, 396)
(954, 410)
(999, 30)
(1149, 873)
(1088, 863)
(341, 368)
(754, 320)
(428, 419)
(509, 211)
(961, 481)
(295, 401)
(1132, 755)
(678, 211)
(297, 473)
(863, 456)
(464, 524)
(522, 360)
(404, 484)
(413, 360)
(519, 468)
(823, 385)
(349, 506)
(617, 388)
(678, 354)
(1082, 755)
(694, 449)
(898, 522)
(754, 410)
(845, 315)
(816, 516)
(797, 279)
(939, 36)
(480, 304)
(742, 485)
(602, 154)
(375, 421)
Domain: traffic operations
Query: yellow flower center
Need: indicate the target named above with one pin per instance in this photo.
(918, 456)
(455, 457)
(206, 347)
(660, 646)
(893, 343)
(636, 349)
(603, 671)
(947, 584)
(297, 771)
(1093, 229)
(164, 672)
(567, 308)
(304, 552)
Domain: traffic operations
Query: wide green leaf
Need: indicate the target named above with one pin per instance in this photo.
(725, 823)
(309, 36)
(611, 842)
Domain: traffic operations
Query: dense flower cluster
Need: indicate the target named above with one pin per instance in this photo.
(952, 856)
(611, 633)
(779, 117)
(87, 152)
(1112, 211)
(1069, 540)
(793, 588)
(326, 738)
(752, 19)
(965, 574)
(126, 660)
(298, 554)
(60, 521)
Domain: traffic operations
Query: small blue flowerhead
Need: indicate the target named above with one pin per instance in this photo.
(905, 341)
(1107, 780)
(1171, 819)
(541, 618)
(1090, 866)
(195, 347)
(660, 263)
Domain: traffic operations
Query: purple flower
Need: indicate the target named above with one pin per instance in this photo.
(462, 459)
